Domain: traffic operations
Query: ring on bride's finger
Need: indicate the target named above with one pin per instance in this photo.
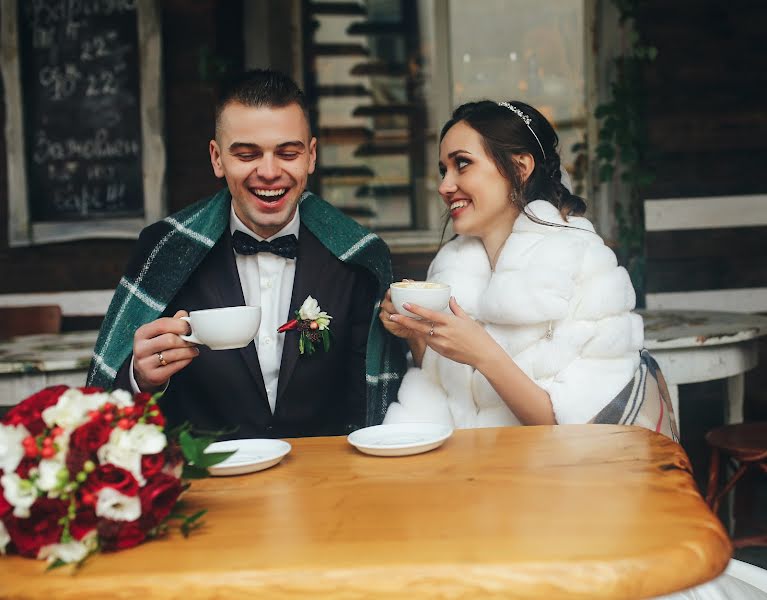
(163, 362)
(431, 331)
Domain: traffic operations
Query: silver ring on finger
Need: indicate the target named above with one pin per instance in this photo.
(161, 360)
(431, 331)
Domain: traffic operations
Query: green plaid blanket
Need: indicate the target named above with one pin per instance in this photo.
(183, 241)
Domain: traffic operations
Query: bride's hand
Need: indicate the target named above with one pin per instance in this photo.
(392, 325)
(455, 336)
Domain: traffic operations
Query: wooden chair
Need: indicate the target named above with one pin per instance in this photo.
(27, 320)
(746, 444)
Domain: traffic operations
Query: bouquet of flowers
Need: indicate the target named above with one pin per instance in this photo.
(83, 470)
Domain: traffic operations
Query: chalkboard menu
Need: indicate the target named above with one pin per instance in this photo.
(82, 112)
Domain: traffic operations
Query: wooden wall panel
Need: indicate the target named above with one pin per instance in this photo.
(707, 91)
(732, 242)
(202, 39)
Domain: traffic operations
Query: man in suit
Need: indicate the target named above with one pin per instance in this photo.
(264, 241)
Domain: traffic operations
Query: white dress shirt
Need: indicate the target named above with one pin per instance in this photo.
(267, 281)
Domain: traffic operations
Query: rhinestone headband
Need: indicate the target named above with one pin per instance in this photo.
(527, 121)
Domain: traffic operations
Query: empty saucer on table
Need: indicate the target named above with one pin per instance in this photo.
(249, 456)
(399, 439)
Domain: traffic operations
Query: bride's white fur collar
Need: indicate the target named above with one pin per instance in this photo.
(537, 272)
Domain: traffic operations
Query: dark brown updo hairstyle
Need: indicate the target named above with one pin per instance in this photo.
(505, 133)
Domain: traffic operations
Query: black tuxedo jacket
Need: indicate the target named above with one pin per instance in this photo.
(318, 394)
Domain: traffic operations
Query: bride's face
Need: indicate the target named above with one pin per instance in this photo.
(475, 192)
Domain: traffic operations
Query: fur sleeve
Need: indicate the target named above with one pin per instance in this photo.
(600, 364)
(587, 385)
(421, 398)
(594, 349)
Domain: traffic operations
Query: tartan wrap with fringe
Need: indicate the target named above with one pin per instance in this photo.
(181, 242)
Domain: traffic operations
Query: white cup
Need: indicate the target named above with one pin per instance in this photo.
(223, 328)
(427, 294)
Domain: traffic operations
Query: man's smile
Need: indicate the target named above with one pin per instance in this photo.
(269, 195)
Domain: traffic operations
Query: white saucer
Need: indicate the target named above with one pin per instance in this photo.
(400, 439)
(250, 455)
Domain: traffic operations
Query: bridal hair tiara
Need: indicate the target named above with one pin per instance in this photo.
(527, 121)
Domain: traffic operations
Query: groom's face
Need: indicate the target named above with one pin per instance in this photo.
(266, 155)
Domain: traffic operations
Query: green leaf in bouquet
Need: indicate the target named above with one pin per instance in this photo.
(189, 446)
(192, 522)
(56, 564)
(208, 459)
(194, 472)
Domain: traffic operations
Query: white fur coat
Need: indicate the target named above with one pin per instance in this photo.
(559, 277)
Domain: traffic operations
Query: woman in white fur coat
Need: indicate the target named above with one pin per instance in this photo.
(540, 328)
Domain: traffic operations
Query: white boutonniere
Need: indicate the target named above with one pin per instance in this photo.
(313, 324)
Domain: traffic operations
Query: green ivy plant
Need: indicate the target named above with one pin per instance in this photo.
(622, 146)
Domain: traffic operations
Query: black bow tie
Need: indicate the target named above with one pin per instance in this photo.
(284, 246)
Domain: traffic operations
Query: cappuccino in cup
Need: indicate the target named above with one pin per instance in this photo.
(427, 294)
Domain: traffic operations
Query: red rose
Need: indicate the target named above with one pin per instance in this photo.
(85, 521)
(141, 400)
(90, 390)
(114, 535)
(90, 436)
(174, 459)
(114, 477)
(29, 411)
(75, 460)
(25, 466)
(5, 506)
(158, 497)
(158, 419)
(40, 529)
(151, 464)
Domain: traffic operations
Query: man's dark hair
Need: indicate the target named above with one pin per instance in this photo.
(261, 88)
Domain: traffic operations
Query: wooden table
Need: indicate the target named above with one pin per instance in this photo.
(31, 362)
(582, 511)
(695, 346)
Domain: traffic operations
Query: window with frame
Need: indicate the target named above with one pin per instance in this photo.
(384, 75)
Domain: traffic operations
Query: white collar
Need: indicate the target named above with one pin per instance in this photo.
(235, 224)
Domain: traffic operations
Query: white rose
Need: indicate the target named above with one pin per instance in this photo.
(48, 474)
(71, 552)
(146, 439)
(111, 504)
(120, 454)
(309, 309)
(11, 450)
(70, 411)
(20, 493)
(121, 398)
(94, 401)
(4, 538)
